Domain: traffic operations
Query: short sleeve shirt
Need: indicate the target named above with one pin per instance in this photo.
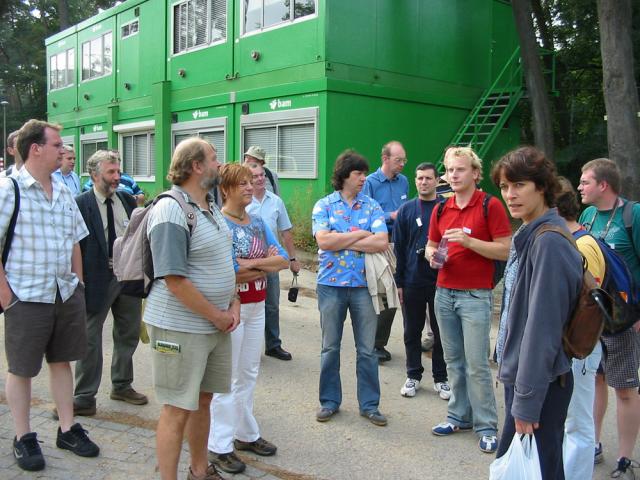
(272, 210)
(345, 268)
(464, 268)
(205, 257)
(39, 262)
(389, 193)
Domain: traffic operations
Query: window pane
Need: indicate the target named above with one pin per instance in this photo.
(252, 15)
(216, 138)
(53, 74)
(140, 155)
(62, 69)
(276, 11)
(179, 28)
(198, 19)
(181, 137)
(218, 20)
(86, 60)
(71, 66)
(127, 155)
(152, 155)
(302, 8)
(297, 150)
(265, 137)
(107, 52)
(133, 28)
(96, 57)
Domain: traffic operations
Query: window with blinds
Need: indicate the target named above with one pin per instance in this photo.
(291, 149)
(214, 137)
(97, 56)
(129, 29)
(260, 14)
(138, 154)
(61, 69)
(88, 148)
(198, 23)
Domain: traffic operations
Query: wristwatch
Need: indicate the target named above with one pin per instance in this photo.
(292, 259)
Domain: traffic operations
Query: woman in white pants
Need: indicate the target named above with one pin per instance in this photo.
(579, 430)
(257, 253)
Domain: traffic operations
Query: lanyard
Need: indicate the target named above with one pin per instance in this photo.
(611, 216)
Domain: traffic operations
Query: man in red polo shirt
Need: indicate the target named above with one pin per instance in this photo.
(476, 237)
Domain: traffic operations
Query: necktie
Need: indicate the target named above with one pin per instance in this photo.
(111, 226)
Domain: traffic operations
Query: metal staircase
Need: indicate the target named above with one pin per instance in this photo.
(492, 110)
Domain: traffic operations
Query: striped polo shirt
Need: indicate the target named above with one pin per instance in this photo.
(205, 258)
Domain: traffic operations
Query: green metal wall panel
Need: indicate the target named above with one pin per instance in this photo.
(139, 65)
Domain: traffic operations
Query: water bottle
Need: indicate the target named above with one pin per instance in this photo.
(441, 254)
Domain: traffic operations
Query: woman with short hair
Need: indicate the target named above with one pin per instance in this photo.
(542, 283)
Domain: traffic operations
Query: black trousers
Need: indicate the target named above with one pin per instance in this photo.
(414, 311)
(550, 433)
(385, 320)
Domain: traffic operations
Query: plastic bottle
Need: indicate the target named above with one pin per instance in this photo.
(441, 254)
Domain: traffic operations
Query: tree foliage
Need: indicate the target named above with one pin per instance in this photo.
(24, 25)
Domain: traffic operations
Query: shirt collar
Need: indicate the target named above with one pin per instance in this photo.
(383, 178)
(99, 196)
(336, 197)
(474, 199)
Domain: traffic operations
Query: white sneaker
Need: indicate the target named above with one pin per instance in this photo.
(443, 389)
(409, 388)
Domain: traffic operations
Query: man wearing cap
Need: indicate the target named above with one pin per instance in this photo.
(257, 154)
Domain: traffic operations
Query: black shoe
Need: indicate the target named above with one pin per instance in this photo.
(227, 462)
(27, 452)
(76, 440)
(279, 353)
(259, 447)
(625, 469)
(382, 354)
(375, 417)
(324, 414)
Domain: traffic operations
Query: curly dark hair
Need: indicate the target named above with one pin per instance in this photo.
(347, 162)
(529, 163)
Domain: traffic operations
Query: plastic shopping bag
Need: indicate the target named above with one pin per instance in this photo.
(520, 462)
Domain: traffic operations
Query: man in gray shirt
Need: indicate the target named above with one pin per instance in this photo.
(191, 308)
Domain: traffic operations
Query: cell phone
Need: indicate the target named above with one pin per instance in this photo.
(163, 346)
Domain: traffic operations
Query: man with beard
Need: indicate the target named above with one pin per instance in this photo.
(191, 309)
(106, 213)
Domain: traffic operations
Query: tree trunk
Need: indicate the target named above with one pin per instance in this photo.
(620, 93)
(534, 79)
(63, 14)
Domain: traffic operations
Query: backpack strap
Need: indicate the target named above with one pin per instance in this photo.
(187, 208)
(12, 223)
(627, 218)
(485, 204)
(272, 181)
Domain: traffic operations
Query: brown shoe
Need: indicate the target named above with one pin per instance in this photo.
(129, 395)
(78, 411)
(212, 474)
(259, 447)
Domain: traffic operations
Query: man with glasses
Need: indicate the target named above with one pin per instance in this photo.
(42, 293)
(389, 187)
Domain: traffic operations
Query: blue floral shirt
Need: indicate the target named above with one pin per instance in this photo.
(345, 268)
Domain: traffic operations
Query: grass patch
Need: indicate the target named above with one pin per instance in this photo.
(299, 209)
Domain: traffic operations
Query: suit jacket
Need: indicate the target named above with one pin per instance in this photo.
(95, 252)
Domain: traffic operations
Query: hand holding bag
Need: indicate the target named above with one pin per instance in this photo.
(520, 462)
(293, 289)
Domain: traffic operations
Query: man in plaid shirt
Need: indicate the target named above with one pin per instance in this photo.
(41, 291)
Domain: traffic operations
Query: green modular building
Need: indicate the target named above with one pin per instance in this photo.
(304, 79)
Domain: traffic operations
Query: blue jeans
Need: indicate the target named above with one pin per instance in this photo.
(464, 318)
(333, 303)
(272, 312)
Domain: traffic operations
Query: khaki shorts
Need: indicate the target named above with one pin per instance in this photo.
(57, 331)
(202, 364)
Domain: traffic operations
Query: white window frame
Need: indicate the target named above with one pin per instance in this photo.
(71, 81)
(196, 127)
(136, 128)
(113, 40)
(300, 116)
(88, 138)
(129, 35)
(208, 43)
(284, 23)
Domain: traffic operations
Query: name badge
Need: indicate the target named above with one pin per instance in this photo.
(419, 221)
(403, 197)
(466, 230)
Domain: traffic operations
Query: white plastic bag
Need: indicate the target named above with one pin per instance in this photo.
(520, 462)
